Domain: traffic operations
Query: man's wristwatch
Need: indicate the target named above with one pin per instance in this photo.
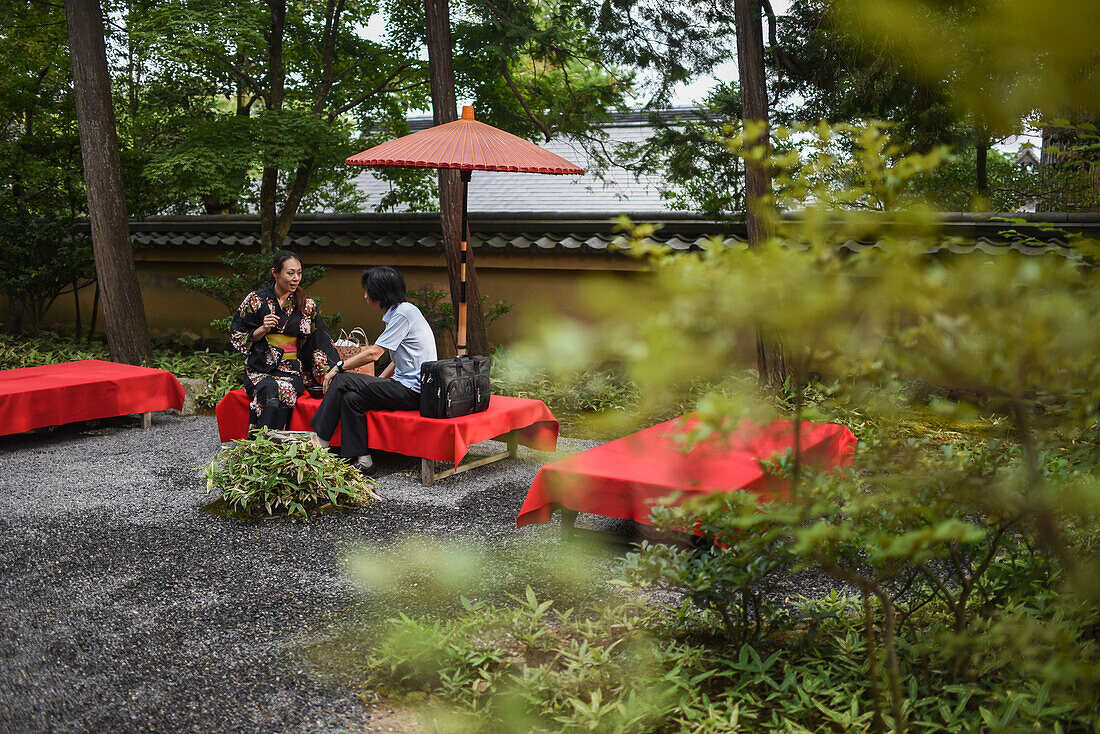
(340, 366)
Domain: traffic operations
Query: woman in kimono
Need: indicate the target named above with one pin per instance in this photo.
(287, 343)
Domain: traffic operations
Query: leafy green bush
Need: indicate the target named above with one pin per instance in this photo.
(598, 402)
(597, 389)
(292, 477)
(48, 347)
(45, 253)
(635, 667)
(732, 573)
(932, 539)
(222, 371)
(961, 546)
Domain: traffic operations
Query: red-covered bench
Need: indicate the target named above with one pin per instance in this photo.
(626, 477)
(56, 394)
(513, 420)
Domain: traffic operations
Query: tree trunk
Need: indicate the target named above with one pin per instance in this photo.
(95, 313)
(123, 309)
(268, 181)
(981, 173)
(273, 100)
(758, 185)
(76, 306)
(15, 314)
(441, 73)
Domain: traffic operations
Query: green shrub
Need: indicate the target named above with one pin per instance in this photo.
(605, 387)
(962, 544)
(249, 271)
(46, 258)
(632, 667)
(47, 347)
(223, 371)
(732, 573)
(292, 477)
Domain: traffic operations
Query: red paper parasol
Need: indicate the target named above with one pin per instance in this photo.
(467, 145)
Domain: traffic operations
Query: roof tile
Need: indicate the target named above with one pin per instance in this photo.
(548, 232)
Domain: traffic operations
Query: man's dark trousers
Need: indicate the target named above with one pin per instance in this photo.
(349, 395)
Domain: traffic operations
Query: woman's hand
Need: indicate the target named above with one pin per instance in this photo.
(270, 322)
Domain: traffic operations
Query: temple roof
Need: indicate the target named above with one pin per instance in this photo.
(577, 232)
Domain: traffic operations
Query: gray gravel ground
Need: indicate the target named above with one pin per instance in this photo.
(125, 608)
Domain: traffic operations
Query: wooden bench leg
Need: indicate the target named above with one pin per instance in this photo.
(571, 533)
(568, 521)
(427, 472)
(429, 475)
(146, 421)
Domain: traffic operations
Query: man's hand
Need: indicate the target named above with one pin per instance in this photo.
(328, 378)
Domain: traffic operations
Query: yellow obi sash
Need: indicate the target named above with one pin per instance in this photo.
(289, 344)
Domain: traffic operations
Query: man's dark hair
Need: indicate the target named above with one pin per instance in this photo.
(384, 285)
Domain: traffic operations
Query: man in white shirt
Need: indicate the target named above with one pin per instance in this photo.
(409, 340)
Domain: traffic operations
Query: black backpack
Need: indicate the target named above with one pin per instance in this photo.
(453, 387)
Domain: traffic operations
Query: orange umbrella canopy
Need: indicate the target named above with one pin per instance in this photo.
(467, 145)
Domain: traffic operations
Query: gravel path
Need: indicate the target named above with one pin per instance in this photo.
(125, 608)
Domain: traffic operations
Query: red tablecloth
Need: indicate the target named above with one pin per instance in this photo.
(624, 478)
(407, 432)
(55, 394)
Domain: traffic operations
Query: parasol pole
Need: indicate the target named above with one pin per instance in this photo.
(466, 145)
(465, 237)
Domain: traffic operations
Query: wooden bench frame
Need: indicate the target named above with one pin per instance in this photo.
(570, 533)
(516, 428)
(429, 475)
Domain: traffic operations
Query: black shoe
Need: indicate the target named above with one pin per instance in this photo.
(367, 471)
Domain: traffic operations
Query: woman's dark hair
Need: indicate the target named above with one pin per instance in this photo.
(299, 293)
(384, 285)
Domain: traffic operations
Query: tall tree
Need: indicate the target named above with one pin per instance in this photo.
(444, 109)
(166, 110)
(297, 77)
(41, 185)
(537, 68)
(689, 149)
(671, 41)
(123, 309)
(754, 114)
(681, 40)
(748, 16)
(844, 75)
(849, 69)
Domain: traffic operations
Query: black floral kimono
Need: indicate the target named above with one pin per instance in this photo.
(275, 375)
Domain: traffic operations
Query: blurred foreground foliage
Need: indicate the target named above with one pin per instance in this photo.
(223, 371)
(949, 573)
